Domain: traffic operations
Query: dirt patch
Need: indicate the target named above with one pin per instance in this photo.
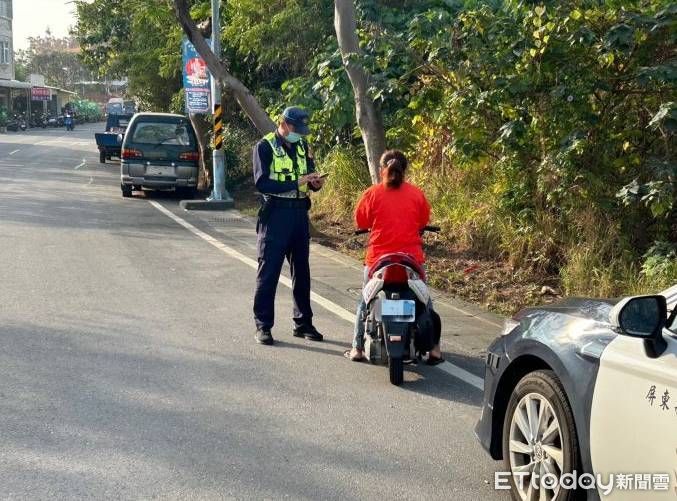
(489, 283)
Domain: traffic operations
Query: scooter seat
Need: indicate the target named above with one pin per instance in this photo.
(400, 258)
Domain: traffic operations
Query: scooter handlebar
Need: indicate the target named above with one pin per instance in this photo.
(432, 229)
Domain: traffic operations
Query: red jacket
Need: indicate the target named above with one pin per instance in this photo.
(395, 217)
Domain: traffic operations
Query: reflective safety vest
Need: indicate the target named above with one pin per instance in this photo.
(282, 168)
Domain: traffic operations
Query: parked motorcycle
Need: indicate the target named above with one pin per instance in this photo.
(13, 124)
(400, 323)
(39, 120)
(17, 123)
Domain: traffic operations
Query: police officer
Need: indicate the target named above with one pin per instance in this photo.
(284, 172)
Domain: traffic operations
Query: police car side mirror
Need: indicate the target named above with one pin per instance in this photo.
(643, 317)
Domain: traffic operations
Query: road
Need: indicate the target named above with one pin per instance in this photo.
(128, 367)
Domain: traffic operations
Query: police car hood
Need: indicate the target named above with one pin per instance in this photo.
(591, 309)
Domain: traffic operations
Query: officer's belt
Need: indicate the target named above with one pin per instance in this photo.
(288, 203)
(290, 194)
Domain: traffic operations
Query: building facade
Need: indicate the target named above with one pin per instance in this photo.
(6, 41)
(14, 96)
(23, 97)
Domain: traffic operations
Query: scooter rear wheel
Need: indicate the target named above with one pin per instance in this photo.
(396, 369)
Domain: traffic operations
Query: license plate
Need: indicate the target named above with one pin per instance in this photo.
(399, 310)
(159, 171)
(155, 155)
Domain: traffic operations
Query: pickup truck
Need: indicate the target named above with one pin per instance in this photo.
(110, 142)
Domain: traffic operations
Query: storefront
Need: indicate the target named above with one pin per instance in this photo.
(15, 96)
(59, 98)
(40, 98)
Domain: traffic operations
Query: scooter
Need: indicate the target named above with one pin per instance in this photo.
(17, 123)
(39, 120)
(69, 122)
(13, 124)
(400, 323)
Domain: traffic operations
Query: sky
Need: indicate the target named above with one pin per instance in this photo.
(32, 17)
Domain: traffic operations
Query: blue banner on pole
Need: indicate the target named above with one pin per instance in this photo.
(196, 80)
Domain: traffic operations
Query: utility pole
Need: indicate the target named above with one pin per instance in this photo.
(219, 160)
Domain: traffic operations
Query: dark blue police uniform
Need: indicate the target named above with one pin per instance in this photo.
(283, 232)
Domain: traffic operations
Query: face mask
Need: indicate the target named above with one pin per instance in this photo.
(293, 137)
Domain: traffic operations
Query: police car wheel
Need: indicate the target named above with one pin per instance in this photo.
(126, 190)
(540, 443)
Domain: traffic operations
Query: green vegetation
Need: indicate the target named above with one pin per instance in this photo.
(4, 117)
(89, 111)
(54, 58)
(543, 133)
(138, 39)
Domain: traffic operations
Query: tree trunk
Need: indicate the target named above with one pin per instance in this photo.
(201, 127)
(232, 85)
(368, 114)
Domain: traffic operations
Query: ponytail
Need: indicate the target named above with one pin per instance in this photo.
(394, 164)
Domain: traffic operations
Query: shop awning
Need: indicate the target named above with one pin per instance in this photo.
(15, 84)
(57, 89)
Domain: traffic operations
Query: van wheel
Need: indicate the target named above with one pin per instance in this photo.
(539, 438)
(102, 157)
(126, 190)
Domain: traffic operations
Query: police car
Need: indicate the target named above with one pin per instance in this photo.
(580, 399)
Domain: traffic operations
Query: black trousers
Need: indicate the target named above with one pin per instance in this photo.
(284, 233)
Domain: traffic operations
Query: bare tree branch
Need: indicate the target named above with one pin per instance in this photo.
(232, 85)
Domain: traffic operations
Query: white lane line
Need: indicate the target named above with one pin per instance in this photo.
(52, 140)
(80, 164)
(334, 308)
(13, 152)
(462, 374)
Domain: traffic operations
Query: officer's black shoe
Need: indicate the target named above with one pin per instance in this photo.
(309, 332)
(264, 336)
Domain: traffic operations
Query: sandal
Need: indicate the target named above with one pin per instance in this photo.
(433, 360)
(358, 358)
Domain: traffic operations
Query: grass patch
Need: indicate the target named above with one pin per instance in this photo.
(348, 178)
(487, 254)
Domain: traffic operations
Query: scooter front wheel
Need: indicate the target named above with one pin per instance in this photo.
(396, 369)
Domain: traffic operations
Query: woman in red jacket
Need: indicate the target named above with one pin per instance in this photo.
(395, 211)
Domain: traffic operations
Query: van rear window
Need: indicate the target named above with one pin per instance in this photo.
(162, 133)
